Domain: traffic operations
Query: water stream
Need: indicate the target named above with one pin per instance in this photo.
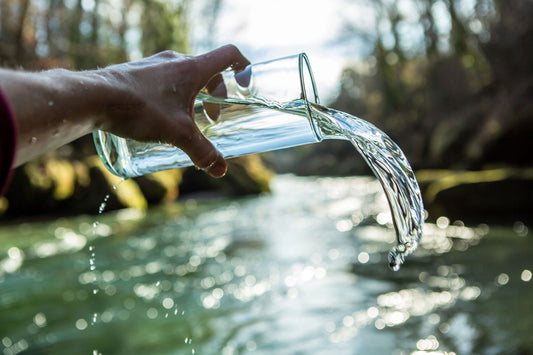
(392, 169)
(281, 273)
(256, 125)
(382, 154)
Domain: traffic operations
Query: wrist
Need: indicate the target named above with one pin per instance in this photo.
(86, 97)
(118, 98)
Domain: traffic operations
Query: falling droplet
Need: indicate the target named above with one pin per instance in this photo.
(118, 183)
(50, 103)
(33, 140)
(103, 205)
(95, 318)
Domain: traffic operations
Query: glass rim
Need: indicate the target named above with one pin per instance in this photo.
(304, 63)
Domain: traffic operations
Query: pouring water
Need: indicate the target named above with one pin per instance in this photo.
(277, 108)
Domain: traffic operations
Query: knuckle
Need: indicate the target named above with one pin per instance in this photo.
(206, 160)
(167, 54)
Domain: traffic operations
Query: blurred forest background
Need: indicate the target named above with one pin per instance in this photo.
(456, 98)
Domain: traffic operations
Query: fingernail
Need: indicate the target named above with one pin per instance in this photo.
(218, 169)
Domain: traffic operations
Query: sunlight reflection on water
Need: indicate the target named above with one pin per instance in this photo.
(300, 271)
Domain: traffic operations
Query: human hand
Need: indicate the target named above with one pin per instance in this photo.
(157, 96)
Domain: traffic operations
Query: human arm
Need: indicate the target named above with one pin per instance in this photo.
(149, 100)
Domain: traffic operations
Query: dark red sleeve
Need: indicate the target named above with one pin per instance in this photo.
(8, 136)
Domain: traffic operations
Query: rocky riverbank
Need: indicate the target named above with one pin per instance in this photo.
(57, 186)
(501, 195)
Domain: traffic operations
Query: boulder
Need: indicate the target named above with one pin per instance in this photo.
(55, 186)
(500, 195)
(246, 175)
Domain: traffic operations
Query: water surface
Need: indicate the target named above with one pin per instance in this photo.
(301, 271)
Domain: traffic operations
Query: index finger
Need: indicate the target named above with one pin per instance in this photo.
(217, 60)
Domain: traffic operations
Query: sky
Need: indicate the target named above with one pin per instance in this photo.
(269, 29)
(265, 30)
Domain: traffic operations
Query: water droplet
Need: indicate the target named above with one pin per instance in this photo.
(33, 140)
(395, 259)
(103, 205)
(50, 103)
(118, 183)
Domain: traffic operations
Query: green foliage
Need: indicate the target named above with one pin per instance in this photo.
(443, 74)
(81, 34)
(164, 26)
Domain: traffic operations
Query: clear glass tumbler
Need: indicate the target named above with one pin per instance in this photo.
(262, 108)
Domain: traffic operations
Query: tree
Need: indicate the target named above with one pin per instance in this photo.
(85, 34)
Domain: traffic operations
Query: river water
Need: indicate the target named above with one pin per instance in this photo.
(302, 270)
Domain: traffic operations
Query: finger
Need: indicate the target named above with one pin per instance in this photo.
(202, 153)
(216, 88)
(212, 110)
(217, 60)
(244, 77)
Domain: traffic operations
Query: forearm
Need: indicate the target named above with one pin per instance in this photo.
(54, 107)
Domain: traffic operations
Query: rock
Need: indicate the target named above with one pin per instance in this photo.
(162, 186)
(57, 186)
(246, 175)
(487, 196)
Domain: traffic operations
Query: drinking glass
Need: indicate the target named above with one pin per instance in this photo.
(261, 108)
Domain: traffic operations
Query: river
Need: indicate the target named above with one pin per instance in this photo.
(302, 270)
